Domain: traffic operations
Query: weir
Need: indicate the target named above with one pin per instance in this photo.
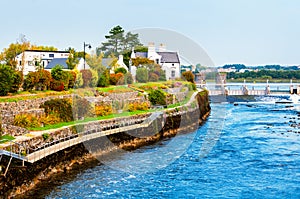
(250, 88)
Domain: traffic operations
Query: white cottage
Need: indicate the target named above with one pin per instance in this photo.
(169, 61)
(29, 59)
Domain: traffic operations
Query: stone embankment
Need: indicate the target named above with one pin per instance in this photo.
(183, 119)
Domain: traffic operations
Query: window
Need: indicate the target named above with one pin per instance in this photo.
(20, 62)
(30, 63)
(172, 64)
(157, 61)
(51, 55)
(173, 73)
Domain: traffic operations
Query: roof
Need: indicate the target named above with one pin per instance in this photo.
(169, 57)
(57, 61)
(107, 62)
(141, 54)
(60, 51)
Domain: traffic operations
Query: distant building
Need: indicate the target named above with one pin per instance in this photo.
(113, 64)
(30, 59)
(169, 61)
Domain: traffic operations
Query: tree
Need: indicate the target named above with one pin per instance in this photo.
(117, 43)
(6, 79)
(114, 41)
(73, 59)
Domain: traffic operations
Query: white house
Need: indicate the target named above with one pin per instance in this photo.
(169, 61)
(29, 59)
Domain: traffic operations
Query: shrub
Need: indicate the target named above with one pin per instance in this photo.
(188, 76)
(78, 81)
(128, 78)
(120, 70)
(72, 79)
(142, 75)
(102, 109)
(138, 106)
(6, 79)
(49, 119)
(31, 79)
(81, 107)
(57, 85)
(44, 79)
(153, 77)
(60, 75)
(87, 77)
(94, 79)
(45, 136)
(104, 79)
(26, 121)
(114, 79)
(16, 81)
(61, 107)
(157, 97)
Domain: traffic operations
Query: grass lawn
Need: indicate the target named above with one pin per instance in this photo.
(6, 138)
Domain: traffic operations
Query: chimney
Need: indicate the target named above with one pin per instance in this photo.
(120, 58)
(151, 47)
(162, 48)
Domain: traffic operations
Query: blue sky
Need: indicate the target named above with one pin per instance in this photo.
(252, 32)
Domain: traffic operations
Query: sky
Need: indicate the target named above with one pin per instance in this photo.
(250, 32)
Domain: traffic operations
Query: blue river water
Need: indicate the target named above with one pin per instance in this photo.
(243, 150)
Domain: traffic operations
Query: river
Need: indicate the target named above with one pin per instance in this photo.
(243, 150)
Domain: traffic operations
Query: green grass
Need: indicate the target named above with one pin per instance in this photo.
(6, 138)
(31, 95)
(89, 119)
(115, 89)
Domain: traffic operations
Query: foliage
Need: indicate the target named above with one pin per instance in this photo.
(114, 79)
(143, 106)
(26, 121)
(45, 136)
(141, 61)
(102, 109)
(59, 74)
(281, 74)
(157, 97)
(120, 70)
(57, 85)
(79, 80)
(189, 76)
(72, 79)
(7, 78)
(153, 77)
(94, 79)
(81, 107)
(104, 79)
(17, 81)
(87, 77)
(128, 79)
(61, 107)
(9, 54)
(142, 75)
(73, 59)
(50, 119)
(117, 42)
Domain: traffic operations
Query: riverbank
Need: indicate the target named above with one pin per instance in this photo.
(20, 180)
